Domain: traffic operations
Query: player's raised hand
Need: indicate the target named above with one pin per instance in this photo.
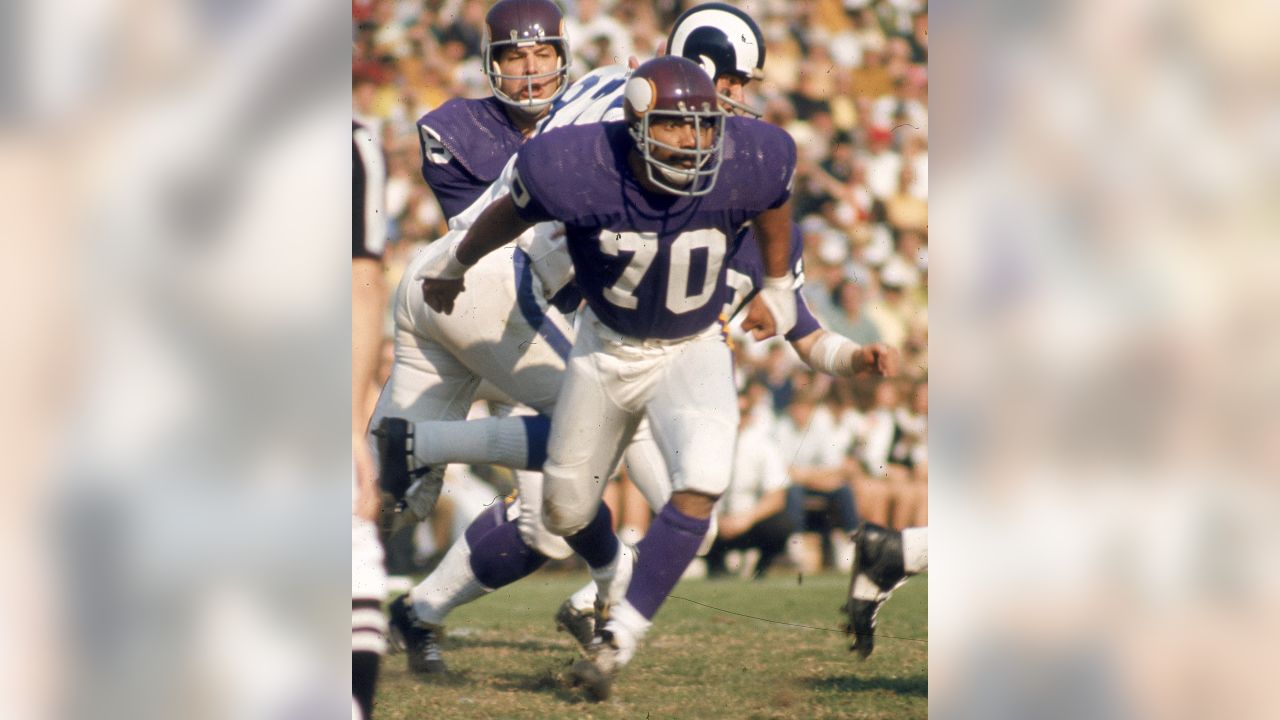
(877, 359)
(758, 320)
(439, 293)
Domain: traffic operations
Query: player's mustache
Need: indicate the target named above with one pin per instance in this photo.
(688, 160)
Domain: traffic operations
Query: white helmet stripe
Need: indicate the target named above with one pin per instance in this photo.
(738, 31)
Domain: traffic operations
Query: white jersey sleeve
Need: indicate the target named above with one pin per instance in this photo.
(596, 97)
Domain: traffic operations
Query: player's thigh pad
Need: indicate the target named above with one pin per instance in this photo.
(595, 415)
(527, 511)
(647, 468)
(694, 415)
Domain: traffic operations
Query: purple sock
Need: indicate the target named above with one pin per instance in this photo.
(663, 554)
(501, 557)
(596, 542)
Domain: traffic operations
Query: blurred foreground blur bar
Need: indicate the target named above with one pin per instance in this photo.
(1106, 328)
(175, 177)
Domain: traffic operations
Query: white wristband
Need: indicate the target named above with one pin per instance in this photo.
(443, 263)
(453, 268)
(833, 354)
(785, 282)
(779, 296)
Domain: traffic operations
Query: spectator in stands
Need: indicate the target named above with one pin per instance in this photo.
(819, 498)
(598, 38)
(778, 376)
(853, 322)
(883, 163)
(915, 351)
(752, 512)
(875, 440)
(889, 309)
(468, 29)
(904, 209)
(909, 461)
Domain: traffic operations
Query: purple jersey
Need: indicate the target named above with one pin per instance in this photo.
(746, 277)
(465, 144)
(651, 265)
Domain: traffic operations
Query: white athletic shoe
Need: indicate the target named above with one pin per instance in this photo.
(612, 585)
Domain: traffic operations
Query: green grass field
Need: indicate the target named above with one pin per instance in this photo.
(506, 659)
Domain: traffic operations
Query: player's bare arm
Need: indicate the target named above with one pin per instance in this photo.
(773, 232)
(367, 296)
(498, 225)
(831, 353)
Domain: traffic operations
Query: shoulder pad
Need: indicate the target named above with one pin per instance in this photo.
(476, 133)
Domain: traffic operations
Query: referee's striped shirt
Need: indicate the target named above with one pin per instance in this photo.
(368, 195)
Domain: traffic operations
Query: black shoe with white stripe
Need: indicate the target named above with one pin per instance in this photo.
(397, 471)
(877, 572)
(421, 642)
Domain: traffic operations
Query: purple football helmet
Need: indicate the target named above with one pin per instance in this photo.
(672, 87)
(522, 23)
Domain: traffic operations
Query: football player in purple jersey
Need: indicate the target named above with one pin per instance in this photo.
(650, 214)
(466, 143)
(729, 46)
(491, 554)
(506, 333)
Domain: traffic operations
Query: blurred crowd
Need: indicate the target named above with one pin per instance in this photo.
(849, 80)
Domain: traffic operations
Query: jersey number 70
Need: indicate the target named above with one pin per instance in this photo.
(644, 248)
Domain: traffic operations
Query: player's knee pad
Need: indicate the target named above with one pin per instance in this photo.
(565, 518)
(703, 471)
(569, 500)
(535, 534)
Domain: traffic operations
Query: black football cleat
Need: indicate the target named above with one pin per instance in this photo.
(396, 461)
(421, 642)
(581, 625)
(877, 572)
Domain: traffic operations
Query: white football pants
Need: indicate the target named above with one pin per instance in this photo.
(685, 389)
